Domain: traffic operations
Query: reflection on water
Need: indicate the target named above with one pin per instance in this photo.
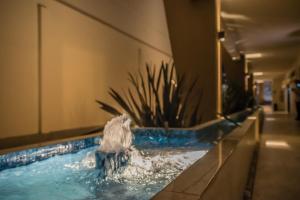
(158, 158)
(73, 176)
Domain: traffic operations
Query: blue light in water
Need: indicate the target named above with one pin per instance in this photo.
(74, 176)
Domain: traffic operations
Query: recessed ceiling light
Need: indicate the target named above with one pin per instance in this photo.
(259, 81)
(253, 55)
(277, 144)
(235, 16)
(258, 73)
(270, 119)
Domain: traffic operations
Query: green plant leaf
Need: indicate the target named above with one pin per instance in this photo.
(108, 108)
(155, 100)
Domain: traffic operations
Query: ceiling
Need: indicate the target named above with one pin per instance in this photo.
(269, 28)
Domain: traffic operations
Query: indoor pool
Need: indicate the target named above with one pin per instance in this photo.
(67, 170)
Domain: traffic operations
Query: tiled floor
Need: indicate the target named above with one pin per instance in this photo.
(278, 169)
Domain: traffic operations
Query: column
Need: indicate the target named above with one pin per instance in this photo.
(234, 69)
(193, 27)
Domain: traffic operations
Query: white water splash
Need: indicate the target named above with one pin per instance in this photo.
(141, 167)
(117, 136)
(156, 166)
(88, 162)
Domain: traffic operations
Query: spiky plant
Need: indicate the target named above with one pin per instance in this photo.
(235, 98)
(157, 100)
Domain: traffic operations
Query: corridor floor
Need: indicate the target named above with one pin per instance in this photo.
(278, 167)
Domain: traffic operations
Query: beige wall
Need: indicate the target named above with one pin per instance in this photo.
(278, 93)
(260, 96)
(293, 73)
(18, 68)
(143, 19)
(81, 57)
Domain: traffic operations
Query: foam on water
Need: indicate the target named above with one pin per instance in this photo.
(164, 165)
(140, 167)
(76, 176)
(73, 176)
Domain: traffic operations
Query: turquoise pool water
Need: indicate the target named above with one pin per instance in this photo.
(67, 171)
(73, 176)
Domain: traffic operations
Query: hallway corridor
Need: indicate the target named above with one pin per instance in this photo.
(278, 168)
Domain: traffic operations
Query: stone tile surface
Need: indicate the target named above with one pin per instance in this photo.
(174, 196)
(278, 168)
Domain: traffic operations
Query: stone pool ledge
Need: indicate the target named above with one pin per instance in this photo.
(19, 143)
(13, 144)
(222, 173)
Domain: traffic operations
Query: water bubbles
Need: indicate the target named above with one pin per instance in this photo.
(146, 169)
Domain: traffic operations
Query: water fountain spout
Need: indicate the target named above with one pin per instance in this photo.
(115, 145)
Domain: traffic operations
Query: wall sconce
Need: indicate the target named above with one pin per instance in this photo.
(248, 75)
(221, 36)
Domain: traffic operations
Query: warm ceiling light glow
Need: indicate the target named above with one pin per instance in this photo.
(277, 144)
(259, 81)
(235, 16)
(253, 55)
(270, 119)
(258, 73)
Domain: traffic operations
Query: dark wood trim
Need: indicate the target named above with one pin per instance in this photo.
(39, 65)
